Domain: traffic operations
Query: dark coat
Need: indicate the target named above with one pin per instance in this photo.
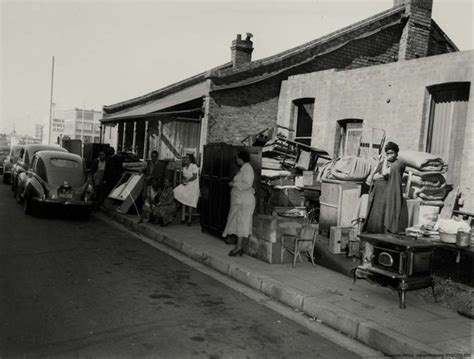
(95, 165)
(157, 171)
(113, 170)
(387, 210)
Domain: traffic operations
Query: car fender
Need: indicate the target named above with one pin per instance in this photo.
(21, 180)
(34, 188)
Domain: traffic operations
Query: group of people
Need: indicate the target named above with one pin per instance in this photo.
(161, 199)
(387, 212)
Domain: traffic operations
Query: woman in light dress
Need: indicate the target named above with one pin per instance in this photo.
(187, 193)
(242, 203)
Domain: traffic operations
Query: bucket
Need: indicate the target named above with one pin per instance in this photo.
(463, 239)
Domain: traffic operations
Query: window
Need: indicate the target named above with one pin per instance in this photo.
(40, 169)
(348, 136)
(63, 163)
(303, 120)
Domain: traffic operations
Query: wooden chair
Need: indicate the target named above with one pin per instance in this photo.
(302, 243)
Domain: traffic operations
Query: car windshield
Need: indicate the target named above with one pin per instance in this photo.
(16, 151)
(4, 152)
(65, 170)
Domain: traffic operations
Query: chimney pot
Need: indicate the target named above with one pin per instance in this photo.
(241, 51)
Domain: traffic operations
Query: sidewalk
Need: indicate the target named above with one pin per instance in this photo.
(363, 311)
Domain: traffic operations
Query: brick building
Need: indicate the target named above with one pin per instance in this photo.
(241, 97)
(423, 104)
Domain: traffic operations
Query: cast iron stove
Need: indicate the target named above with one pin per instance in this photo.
(397, 261)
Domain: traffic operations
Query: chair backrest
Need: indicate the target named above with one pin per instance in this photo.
(309, 231)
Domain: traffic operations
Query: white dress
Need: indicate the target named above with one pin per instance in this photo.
(188, 194)
(242, 203)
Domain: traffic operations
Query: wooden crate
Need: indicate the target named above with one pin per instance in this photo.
(338, 202)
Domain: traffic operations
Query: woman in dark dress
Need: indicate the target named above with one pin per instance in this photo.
(387, 211)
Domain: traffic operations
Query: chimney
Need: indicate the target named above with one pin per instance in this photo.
(241, 50)
(415, 38)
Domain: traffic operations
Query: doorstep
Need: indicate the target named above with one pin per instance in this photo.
(363, 311)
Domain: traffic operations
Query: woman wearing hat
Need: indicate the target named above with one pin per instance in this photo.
(386, 211)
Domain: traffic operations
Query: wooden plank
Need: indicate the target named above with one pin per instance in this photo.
(449, 203)
(168, 144)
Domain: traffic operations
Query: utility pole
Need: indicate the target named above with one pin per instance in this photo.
(51, 104)
(82, 127)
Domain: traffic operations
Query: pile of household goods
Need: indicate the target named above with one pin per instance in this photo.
(425, 177)
(288, 166)
(425, 189)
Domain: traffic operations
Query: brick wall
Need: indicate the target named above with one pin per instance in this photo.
(437, 43)
(392, 96)
(239, 112)
(415, 37)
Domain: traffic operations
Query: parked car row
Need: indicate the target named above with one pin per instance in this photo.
(42, 175)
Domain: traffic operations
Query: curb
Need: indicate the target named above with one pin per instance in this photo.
(365, 331)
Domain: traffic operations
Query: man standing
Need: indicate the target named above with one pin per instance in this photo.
(97, 172)
(113, 171)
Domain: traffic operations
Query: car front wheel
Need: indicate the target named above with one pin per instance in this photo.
(18, 197)
(29, 206)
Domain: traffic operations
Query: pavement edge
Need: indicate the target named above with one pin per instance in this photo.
(365, 331)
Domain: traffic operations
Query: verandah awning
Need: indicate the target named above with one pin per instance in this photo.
(151, 116)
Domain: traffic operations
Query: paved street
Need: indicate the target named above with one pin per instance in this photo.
(74, 288)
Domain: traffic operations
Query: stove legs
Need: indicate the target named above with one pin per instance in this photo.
(401, 299)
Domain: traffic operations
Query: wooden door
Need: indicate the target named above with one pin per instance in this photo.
(218, 169)
(447, 123)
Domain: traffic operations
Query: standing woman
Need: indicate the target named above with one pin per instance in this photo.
(187, 193)
(242, 203)
(386, 210)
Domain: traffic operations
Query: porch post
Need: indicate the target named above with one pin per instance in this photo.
(158, 145)
(134, 140)
(124, 135)
(119, 133)
(101, 128)
(204, 124)
(145, 142)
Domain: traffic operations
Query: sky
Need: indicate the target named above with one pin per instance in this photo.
(107, 51)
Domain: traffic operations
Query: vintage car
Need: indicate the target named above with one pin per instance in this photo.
(4, 151)
(23, 163)
(58, 178)
(9, 161)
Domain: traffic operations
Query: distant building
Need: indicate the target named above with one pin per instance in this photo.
(23, 140)
(39, 132)
(57, 129)
(82, 124)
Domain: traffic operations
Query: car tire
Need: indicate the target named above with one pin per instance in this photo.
(85, 213)
(18, 197)
(6, 180)
(29, 206)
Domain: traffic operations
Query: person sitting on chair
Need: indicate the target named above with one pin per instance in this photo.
(166, 206)
(150, 202)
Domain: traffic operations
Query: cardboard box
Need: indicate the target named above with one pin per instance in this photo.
(339, 239)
